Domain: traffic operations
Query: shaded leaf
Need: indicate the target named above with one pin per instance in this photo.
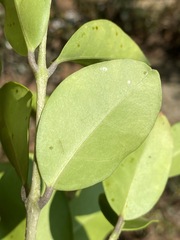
(112, 217)
(55, 220)
(134, 188)
(93, 120)
(12, 211)
(15, 108)
(138, 224)
(88, 221)
(26, 23)
(175, 167)
(13, 31)
(4, 166)
(100, 40)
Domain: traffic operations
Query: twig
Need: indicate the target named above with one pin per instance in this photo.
(117, 230)
(46, 196)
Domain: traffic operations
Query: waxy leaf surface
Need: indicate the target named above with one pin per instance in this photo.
(175, 167)
(93, 120)
(100, 40)
(134, 188)
(26, 23)
(15, 108)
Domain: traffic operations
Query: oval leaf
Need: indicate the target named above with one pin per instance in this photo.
(26, 23)
(134, 188)
(93, 120)
(15, 108)
(100, 40)
(175, 167)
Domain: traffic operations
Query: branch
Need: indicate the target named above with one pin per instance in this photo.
(32, 62)
(117, 230)
(46, 196)
(52, 68)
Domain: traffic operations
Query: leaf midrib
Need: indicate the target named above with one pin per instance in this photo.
(97, 125)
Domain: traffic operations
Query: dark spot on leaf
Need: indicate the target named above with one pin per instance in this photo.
(116, 33)
(112, 199)
(83, 34)
(121, 46)
(51, 147)
(17, 90)
(78, 45)
(144, 72)
(149, 156)
(95, 28)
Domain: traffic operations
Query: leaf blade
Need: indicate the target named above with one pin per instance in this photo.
(15, 108)
(175, 167)
(136, 172)
(26, 23)
(107, 41)
(91, 104)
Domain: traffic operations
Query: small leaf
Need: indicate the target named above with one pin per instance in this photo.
(88, 221)
(134, 188)
(100, 40)
(137, 224)
(175, 167)
(26, 23)
(93, 120)
(112, 217)
(15, 108)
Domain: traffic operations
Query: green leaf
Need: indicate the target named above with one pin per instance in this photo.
(15, 108)
(112, 217)
(3, 168)
(13, 31)
(88, 221)
(55, 220)
(100, 40)
(137, 224)
(26, 23)
(134, 188)
(12, 211)
(175, 167)
(93, 120)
